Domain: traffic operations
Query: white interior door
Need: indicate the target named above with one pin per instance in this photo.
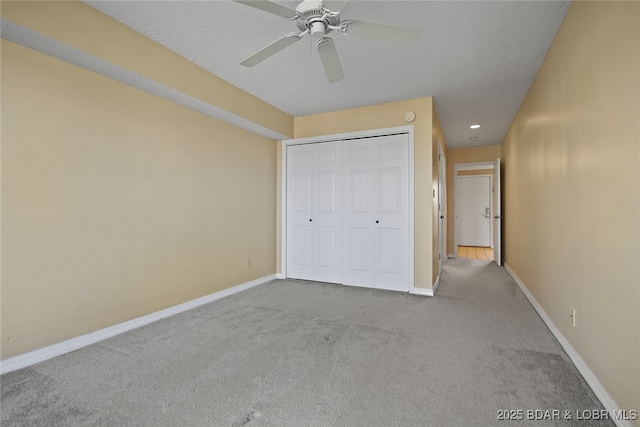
(474, 210)
(314, 211)
(497, 215)
(376, 212)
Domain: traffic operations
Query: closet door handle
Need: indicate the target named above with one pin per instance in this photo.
(310, 220)
(377, 222)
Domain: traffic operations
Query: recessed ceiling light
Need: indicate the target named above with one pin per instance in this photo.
(473, 138)
(474, 126)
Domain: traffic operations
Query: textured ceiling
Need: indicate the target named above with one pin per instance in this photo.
(477, 59)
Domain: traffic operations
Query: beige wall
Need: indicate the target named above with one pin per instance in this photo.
(384, 116)
(116, 203)
(463, 155)
(122, 200)
(82, 27)
(572, 205)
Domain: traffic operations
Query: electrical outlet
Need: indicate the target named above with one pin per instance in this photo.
(248, 261)
(573, 316)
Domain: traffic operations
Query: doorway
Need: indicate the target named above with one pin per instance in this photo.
(477, 195)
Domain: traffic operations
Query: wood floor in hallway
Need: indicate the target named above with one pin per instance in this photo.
(475, 252)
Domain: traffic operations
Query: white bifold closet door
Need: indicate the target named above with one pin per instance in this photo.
(376, 212)
(314, 212)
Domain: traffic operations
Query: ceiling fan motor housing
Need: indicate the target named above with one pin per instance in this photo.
(314, 17)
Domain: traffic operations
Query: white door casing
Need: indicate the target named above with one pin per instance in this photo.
(473, 212)
(442, 255)
(497, 215)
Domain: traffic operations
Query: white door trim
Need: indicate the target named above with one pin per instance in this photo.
(341, 137)
(442, 209)
(462, 167)
(497, 213)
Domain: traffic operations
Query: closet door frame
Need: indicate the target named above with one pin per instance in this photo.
(342, 137)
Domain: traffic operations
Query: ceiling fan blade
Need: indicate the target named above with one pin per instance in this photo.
(330, 60)
(335, 5)
(382, 32)
(270, 50)
(271, 7)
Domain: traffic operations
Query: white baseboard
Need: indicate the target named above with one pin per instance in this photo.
(45, 353)
(280, 276)
(436, 284)
(591, 379)
(421, 291)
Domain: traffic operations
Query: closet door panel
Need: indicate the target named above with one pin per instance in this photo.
(327, 218)
(392, 212)
(389, 191)
(300, 206)
(314, 212)
(388, 245)
(326, 238)
(326, 192)
(358, 221)
(302, 253)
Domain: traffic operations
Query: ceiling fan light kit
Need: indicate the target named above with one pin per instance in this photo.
(318, 18)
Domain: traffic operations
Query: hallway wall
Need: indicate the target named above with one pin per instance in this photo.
(572, 205)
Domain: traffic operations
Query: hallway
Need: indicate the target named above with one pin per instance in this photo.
(475, 252)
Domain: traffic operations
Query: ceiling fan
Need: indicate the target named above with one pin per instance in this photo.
(318, 18)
